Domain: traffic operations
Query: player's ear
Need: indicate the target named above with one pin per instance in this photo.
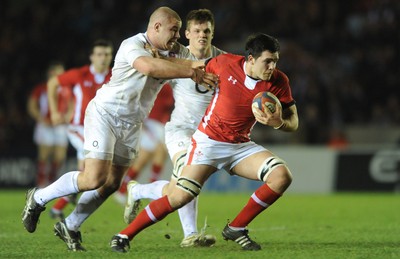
(187, 34)
(250, 59)
(157, 26)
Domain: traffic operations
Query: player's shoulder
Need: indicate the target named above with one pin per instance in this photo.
(135, 39)
(80, 70)
(280, 76)
(216, 51)
(227, 58)
(179, 50)
(40, 87)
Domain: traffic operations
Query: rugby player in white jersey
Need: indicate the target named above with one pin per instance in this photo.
(113, 122)
(191, 101)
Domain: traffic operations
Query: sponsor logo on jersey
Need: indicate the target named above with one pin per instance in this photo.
(232, 79)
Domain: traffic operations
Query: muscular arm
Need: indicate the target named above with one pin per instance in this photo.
(161, 68)
(164, 69)
(290, 119)
(187, 62)
(285, 120)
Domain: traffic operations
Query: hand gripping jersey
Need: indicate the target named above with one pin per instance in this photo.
(84, 82)
(191, 99)
(229, 117)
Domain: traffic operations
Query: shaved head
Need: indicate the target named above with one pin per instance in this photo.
(163, 28)
(162, 14)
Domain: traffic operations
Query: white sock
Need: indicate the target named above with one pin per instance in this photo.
(87, 204)
(65, 185)
(188, 217)
(149, 191)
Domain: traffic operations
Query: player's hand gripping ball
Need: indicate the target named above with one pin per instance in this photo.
(268, 99)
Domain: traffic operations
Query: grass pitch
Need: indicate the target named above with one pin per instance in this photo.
(365, 225)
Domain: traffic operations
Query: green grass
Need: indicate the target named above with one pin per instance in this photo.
(297, 226)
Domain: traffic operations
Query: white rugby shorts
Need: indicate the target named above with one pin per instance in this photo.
(75, 136)
(109, 138)
(222, 155)
(177, 138)
(50, 135)
(152, 134)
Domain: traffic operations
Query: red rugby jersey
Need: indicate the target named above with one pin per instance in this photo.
(163, 105)
(84, 84)
(39, 94)
(229, 117)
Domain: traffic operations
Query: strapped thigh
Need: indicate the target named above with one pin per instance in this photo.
(269, 164)
(188, 185)
(178, 166)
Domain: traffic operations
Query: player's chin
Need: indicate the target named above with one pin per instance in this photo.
(266, 77)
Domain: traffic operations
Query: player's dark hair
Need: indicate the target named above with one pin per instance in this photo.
(201, 16)
(259, 42)
(102, 43)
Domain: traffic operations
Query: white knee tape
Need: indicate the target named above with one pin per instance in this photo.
(190, 186)
(179, 164)
(269, 164)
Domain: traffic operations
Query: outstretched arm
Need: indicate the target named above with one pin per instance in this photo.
(166, 69)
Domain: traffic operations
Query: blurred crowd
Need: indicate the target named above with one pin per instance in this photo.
(342, 57)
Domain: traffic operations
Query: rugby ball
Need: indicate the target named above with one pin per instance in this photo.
(266, 98)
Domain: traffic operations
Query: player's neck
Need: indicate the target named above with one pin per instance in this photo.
(248, 71)
(200, 54)
(98, 70)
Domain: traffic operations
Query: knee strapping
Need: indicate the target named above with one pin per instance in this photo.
(268, 166)
(179, 164)
(190, 186)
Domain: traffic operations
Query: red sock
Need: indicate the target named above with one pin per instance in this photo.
(259, 201)
(158, 210)
(155, 174)
(132, 174)
(41, 174)
(61, 203)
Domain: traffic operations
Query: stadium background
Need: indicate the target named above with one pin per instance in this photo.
(342, 58)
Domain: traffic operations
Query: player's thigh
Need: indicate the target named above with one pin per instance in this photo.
(95, 173)
(143, 159)
(160, 154)
(249, 166)
(44, 152)
(199, 173)
(177, 139)
(60, 152)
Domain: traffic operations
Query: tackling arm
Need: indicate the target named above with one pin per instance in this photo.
(165, 69)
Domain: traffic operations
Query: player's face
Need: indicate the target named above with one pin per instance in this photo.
(168, 34)
(264, 65)
(200, 35)
(101, 58)
(56, 70)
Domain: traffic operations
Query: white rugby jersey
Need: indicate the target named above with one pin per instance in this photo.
(129, 94)
(191, 99)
